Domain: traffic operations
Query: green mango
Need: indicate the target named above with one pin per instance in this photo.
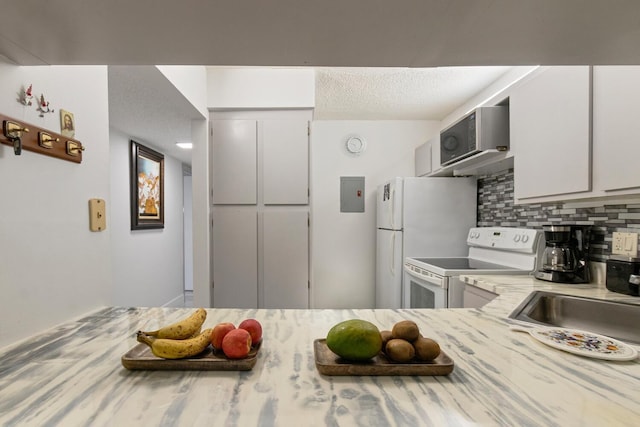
(355, 340)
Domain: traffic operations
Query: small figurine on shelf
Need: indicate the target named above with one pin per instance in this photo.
(43, 106)
(25, 96)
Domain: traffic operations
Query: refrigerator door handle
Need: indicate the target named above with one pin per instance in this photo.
(392, 262)
(392, 207)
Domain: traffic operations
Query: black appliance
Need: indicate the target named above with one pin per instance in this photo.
(623, 275)
(485, 128)
(565, 256)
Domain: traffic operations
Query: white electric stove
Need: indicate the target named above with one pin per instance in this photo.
(435, 282)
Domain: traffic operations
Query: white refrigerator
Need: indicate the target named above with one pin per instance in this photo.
(420, 217)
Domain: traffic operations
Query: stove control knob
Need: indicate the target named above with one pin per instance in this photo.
(516, 238)
(525, 238)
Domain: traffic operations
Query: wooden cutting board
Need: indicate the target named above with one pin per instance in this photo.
(329, 363)
(140, 357)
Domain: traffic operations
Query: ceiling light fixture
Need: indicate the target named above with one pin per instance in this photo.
(185, 145)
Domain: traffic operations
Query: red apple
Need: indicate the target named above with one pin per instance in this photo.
(236, 344)
(219, 332)
(254, 328)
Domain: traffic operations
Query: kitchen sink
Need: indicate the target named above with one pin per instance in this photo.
(615, 319)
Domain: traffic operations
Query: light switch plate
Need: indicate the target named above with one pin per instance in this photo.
(625, 244)
(97, 215)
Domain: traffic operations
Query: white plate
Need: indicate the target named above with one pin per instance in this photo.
(582, 343)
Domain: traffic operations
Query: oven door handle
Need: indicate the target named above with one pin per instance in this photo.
(437, 281)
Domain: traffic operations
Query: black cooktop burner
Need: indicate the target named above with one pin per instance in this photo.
(462, 264)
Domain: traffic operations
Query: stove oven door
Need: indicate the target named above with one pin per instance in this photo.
(424, 292)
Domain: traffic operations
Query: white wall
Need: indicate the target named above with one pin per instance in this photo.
(202, 292)
(191, 81)
(52, 267)
(343, 245)
(147, 264)
(254, 88)
(187, 195)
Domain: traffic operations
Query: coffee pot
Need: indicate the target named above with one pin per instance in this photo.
(564, 259)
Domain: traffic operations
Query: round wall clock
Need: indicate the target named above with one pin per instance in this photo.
(356, 144)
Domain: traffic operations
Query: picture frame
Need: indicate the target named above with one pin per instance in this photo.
(146, 187)
(67, 124)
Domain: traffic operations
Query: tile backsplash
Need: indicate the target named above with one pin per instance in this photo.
(496, 208)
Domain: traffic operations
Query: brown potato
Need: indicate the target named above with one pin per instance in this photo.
(406, 330)
(399, 350)
(426, 349)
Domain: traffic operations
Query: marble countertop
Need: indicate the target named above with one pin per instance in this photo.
(71, 375)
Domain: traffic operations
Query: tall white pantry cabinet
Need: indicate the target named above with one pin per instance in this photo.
(260, 213)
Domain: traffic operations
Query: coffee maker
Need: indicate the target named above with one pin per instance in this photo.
(565, 256)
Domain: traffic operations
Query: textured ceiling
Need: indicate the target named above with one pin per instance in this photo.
(146, 106)
(397, 93)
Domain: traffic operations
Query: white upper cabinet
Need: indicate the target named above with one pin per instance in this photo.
(616, 146)
(234, 167)
(285, 145)
(423, 158)
(550, 132)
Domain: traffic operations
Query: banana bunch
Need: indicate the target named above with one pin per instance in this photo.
(183, 329)
(176, 349)
(180, 339)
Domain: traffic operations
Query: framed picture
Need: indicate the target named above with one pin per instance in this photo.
(147, 187)
(67, 124)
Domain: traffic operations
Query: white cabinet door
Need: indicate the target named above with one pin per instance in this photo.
(616, 146)
(286, 259)
(285, 145)
(423, 159)
(235, 257)
(476, 297)
(550, 133)
(234, 165)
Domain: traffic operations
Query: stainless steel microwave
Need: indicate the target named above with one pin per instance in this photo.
(485, 128)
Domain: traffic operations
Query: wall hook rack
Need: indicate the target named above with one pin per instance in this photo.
(13, 132)
(24, 136)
